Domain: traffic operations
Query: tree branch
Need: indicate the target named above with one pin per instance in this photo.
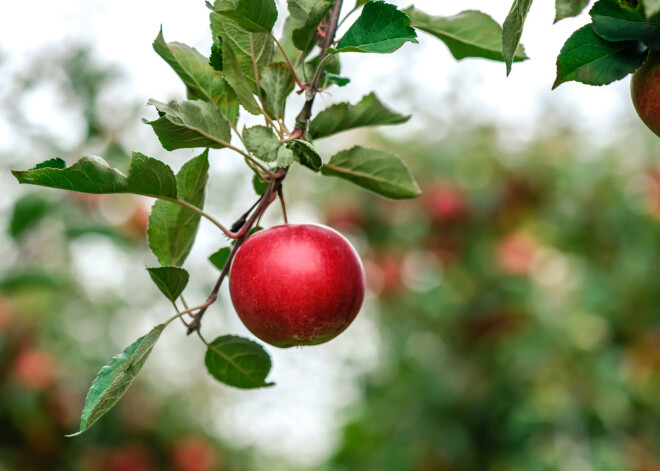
(265, 200)
(275, 187)
(303, 118)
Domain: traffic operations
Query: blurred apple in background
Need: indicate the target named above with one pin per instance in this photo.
(6, 315)
(446, 203)
(136, 224)
(515, 253)
(383, 273)
(345, 216)
(195, 454)
(33, 369)
(131, 458)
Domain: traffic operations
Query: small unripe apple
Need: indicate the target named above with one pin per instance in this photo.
(297, 284)
(645, 91)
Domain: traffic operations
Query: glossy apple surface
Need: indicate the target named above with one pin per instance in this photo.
(297, 284)
(645, 92)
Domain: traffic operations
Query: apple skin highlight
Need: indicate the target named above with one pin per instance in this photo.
(297, 284)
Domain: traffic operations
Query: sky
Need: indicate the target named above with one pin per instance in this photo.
(313, 384)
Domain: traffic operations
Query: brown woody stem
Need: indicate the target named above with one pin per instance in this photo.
(303, 118)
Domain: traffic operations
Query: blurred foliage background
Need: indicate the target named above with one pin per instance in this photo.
(517, 303)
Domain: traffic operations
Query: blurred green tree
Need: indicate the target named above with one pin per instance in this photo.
(519, 308)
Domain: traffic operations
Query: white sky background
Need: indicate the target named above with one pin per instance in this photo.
(299, 417)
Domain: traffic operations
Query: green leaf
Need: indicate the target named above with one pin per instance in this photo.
(344, 116)
(381, 28)
(237, 48)
(238, 362)
(651, 8)
(260, 186)
(172, 227)
(238, 81)
(286, 40)
(359, 3)
(467, 34)
(151, 177)
(284, 157)
(262, 142)
(228, 105)
(375, 170)
(305, 153)
(190, 124)
(114, 379)
(588, 58)
(239, 41)
(277, 83)
(219, 259)
(171, 281)
(614, 22)
(202, 81)
(28, 211)
(302, 37)
(91, 174)
(512, 30)
(300, 9)
(336, 79)
(252, 15)
(568, 8)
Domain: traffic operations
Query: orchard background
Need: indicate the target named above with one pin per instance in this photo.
(512, 314)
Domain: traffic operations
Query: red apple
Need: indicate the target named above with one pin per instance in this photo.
(297, 284)
(446, 203)
(383, 274)
(346, 216)
(516, 252)
(195, 454)
(33, 369)
(134, 457)
(645, 91)
(136, 225)
(6, 315)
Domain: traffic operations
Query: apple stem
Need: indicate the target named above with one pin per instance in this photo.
(199, 334)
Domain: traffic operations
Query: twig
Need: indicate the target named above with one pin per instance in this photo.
(286, 58)
(256, 69)
(194, 208)
(265, 201)
(280, 194)
(303, 118)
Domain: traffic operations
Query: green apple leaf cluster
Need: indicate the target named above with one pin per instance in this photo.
(615, 43)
